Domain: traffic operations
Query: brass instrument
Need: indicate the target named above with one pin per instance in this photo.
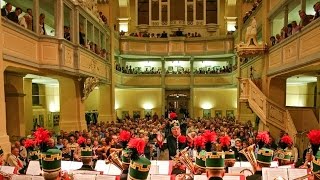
(115, 160)
(248, 152)
(186, 160)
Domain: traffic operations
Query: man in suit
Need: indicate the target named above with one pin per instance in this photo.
(6, 10)
(14, 16)
(264, 159)
(173, 145)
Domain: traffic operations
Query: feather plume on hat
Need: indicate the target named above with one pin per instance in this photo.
(137, 146)
(263, 138)
(209, 137)
(314, 138)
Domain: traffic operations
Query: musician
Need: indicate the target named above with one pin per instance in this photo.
(215, 165)
(172, 140)
(1, 157)
(313, 137)
(51, 165)
(86, 158)
(316, 166)
(264, 159)
(284, 158)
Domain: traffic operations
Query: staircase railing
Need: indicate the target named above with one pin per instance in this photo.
(267, 110)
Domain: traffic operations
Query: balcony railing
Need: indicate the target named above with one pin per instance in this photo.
(28, 48)
(297, 50)
(177, 45)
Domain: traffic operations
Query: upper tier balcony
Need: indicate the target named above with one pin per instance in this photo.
(25, 47)
(177, 46)
(297, 50)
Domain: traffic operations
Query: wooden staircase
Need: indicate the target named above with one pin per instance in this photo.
(268, 111)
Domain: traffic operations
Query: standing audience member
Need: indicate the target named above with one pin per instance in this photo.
(42, 29)
(6, 9)
(13, 16)
(316, 8)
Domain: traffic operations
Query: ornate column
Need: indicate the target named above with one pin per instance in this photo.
(160, 13)
(204, 12)
(194, 12)
(191, 111)
(137, 13)
(4, 138)
(36, 14)
(150, 13)
(185, 12)
(72, 116)
(286, 15)
(168, 10)
(75, 26)
(303, 5)
(163, 85)
(59, 19)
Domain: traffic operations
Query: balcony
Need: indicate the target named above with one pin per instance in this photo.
(25, 47)
(175, 80)
(176, 46)
(296, 51)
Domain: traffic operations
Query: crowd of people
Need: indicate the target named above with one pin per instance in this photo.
(164, 34)
(129, 70)
(255, 5)
(293, 27)
(219, 70)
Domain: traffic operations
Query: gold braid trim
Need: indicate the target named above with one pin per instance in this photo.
(139, 167)
(52, 157)
(266, 153)
(215, 156)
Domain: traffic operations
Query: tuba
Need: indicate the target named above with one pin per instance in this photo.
(115, 160)
(248, 152)
(186, 160)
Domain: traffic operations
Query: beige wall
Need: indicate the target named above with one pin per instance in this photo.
(214, 99)
(93, 100)
(301, 95)
(138, 100)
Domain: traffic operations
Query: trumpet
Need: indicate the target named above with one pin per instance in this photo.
(115, 160)
(248, 152)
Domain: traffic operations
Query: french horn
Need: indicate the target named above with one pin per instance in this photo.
(248, 152)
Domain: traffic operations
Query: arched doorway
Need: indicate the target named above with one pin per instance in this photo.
(178, 101)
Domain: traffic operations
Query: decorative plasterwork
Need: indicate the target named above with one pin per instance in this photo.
(88, 86)
(251, 47)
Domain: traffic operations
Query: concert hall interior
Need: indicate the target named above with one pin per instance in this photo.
(195, 81)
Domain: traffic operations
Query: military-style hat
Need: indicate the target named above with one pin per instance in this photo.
(51, 160)
(139, 168)
(125, 156)
(215, 160)
(1, 151)
(284, 155)
(86, 152)
(229, 155)
(264, 156)
(201, 159)
(34, 155)
(174, 123)
(316, 162)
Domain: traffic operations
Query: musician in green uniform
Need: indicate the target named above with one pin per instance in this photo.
(264, 159)
(215, 165)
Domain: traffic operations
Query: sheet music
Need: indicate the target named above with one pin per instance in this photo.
(272, 173)
(102, 166)
(75, 165)
(113, 170)
(163, 167)
(295, 173)
(65, 165)
(237, 164)
(153, 162)
(34, 168)
(84, 177)
(37, 178)
(245, 164)
(200, 177)
(7, 169)
(21, 177)
(85, 172)
(231, 178)
(154, 169)
(105, 177)
(237, 170)
(285, 167)
(274, 164)
(159, 177)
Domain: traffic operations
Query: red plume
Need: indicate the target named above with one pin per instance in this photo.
(225, 141)
(41, 135)
(199, 142)
(182, 139)
(30, 143)
(81, 140)
(209, 136)
(286, 139)
(138, 144)
(314, 137)
(124, 135)
(264, 137)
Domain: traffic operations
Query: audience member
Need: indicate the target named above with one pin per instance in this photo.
(42, 29)
(316, 8)
(13, 16)
(6, 9)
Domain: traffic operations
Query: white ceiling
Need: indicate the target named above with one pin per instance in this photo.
(301, 79)
(42, 80)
